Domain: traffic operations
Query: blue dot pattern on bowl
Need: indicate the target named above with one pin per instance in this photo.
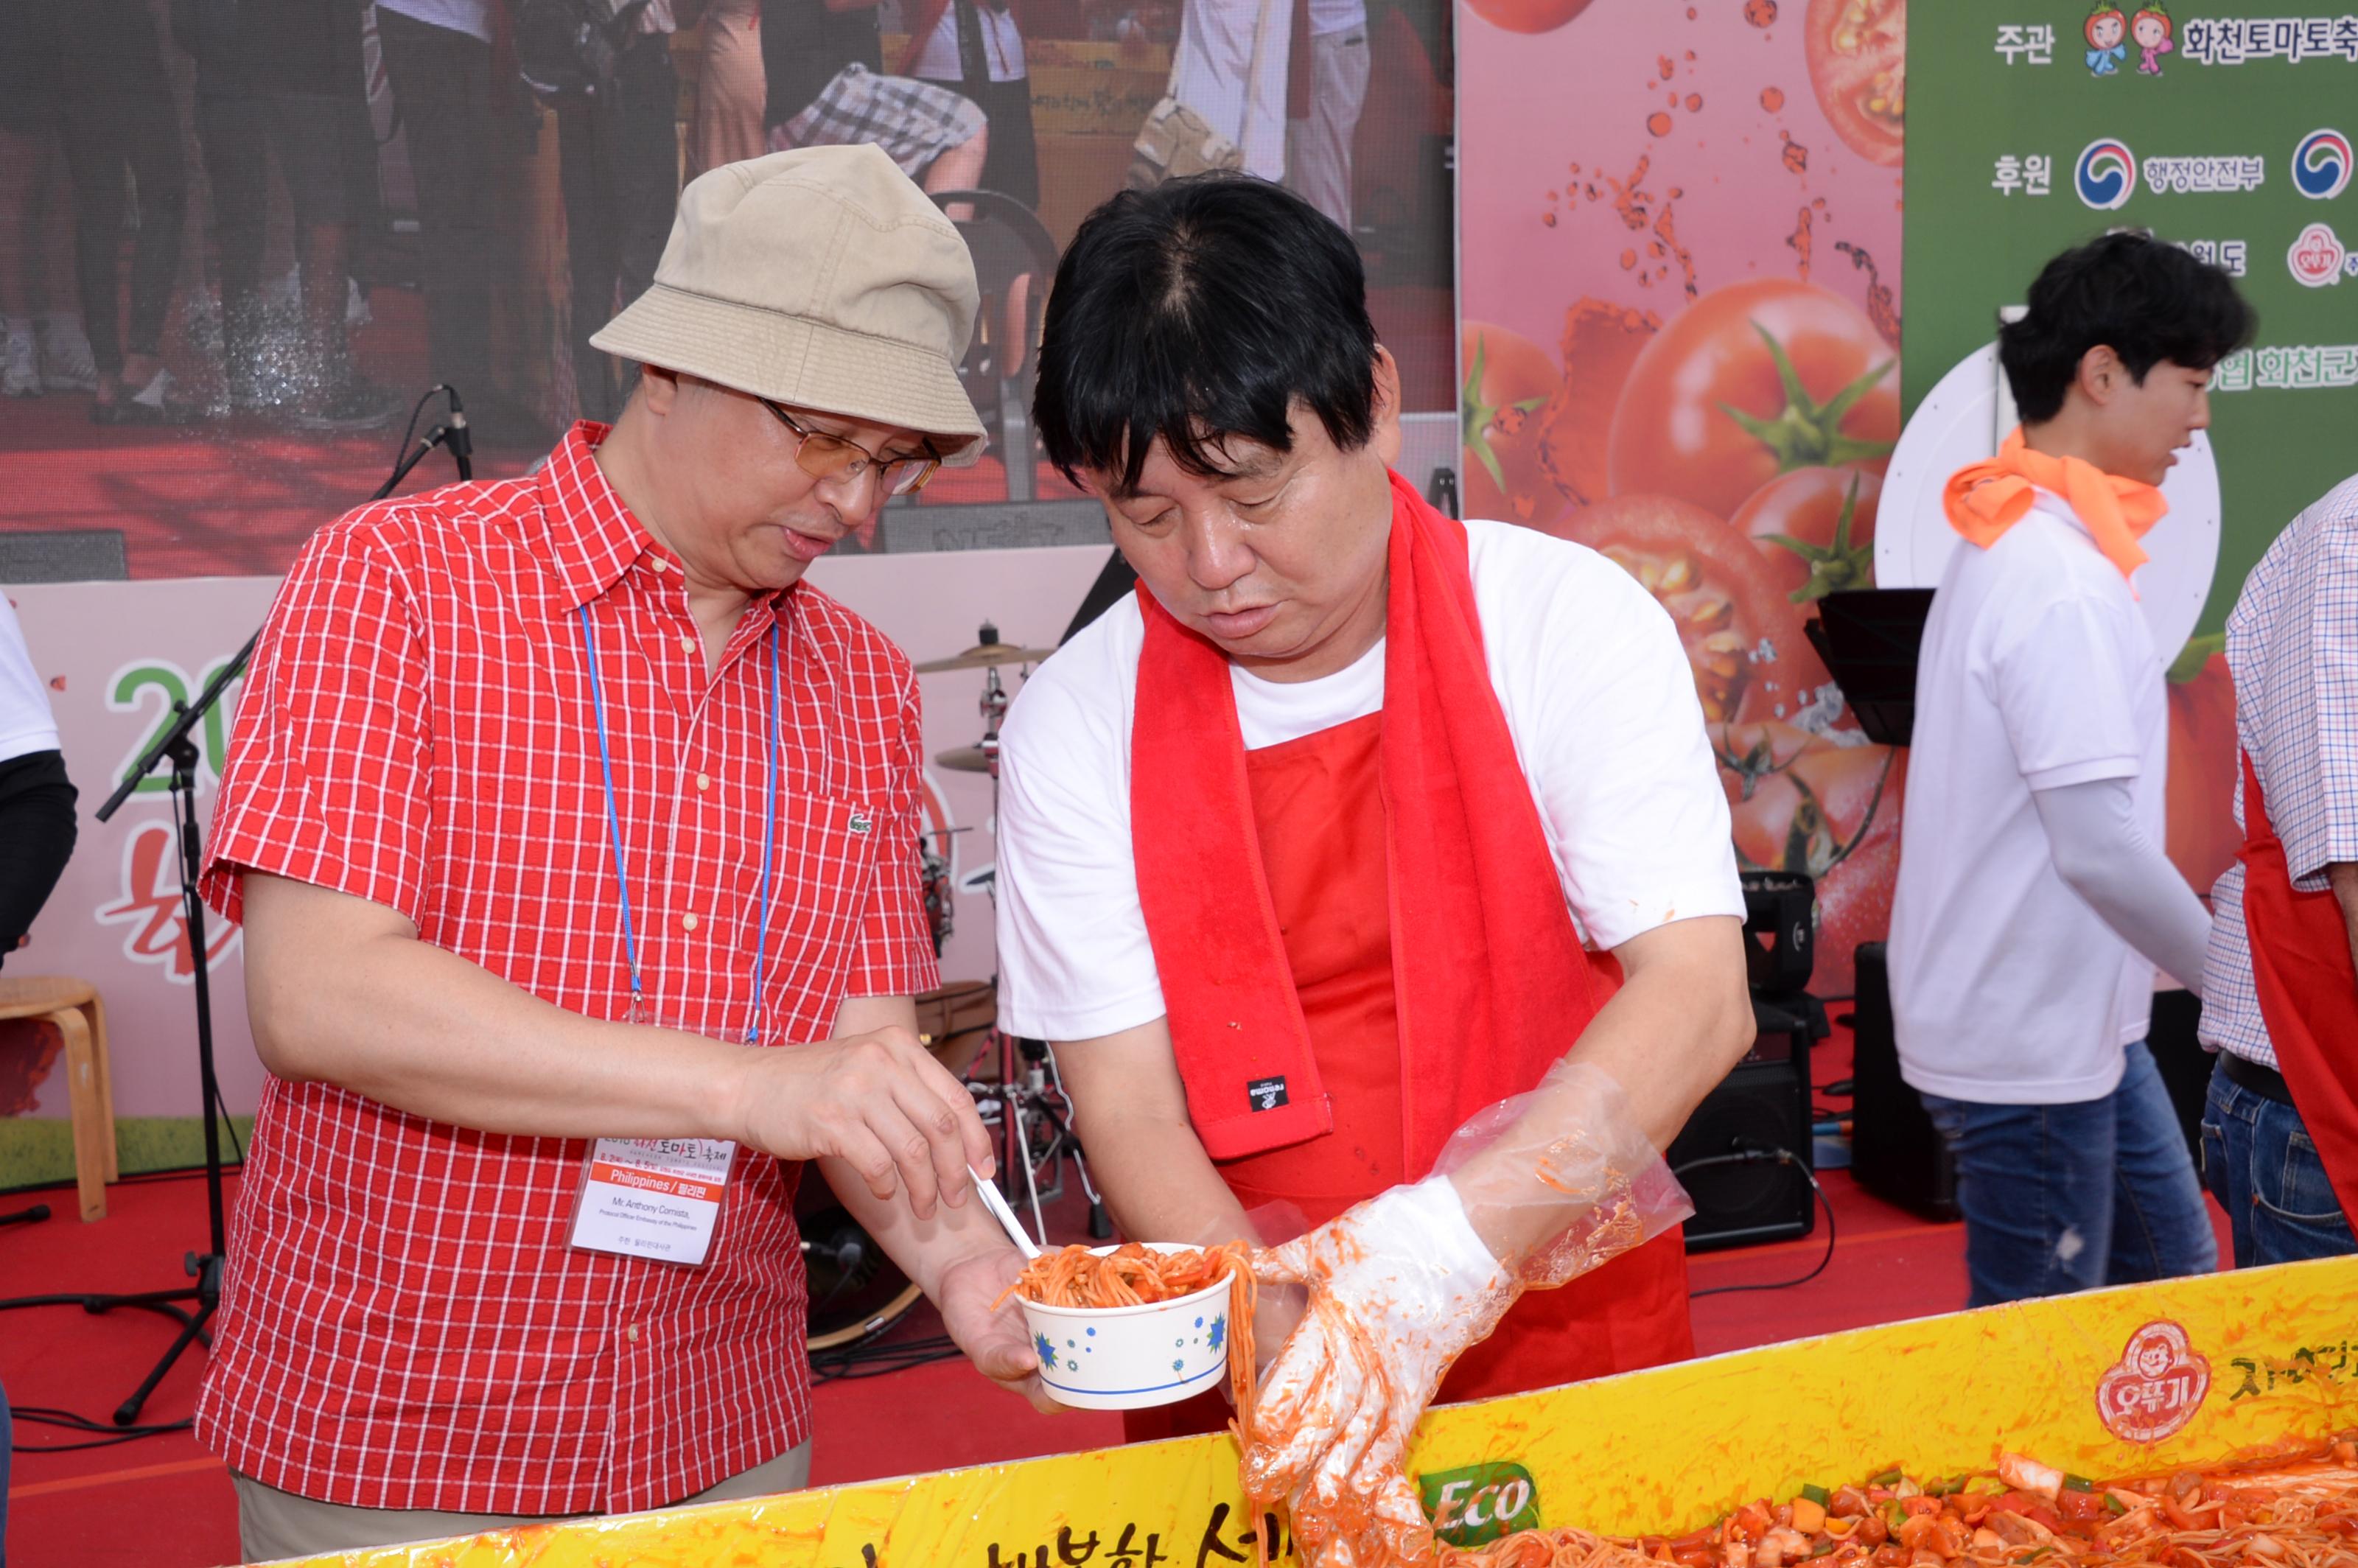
(1178, 1366)
(1047, 1351)
(1219, 1333)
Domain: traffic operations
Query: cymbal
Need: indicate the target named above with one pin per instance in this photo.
(984, 655)
(963, 760)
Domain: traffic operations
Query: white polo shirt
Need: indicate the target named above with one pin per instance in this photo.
(1599, 700)
(2037, 671)
(27, 723)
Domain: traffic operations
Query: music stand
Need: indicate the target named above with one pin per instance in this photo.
(1869, 639)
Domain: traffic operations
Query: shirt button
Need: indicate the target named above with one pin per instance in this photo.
(631, 1333)
(686, 644)
(688, 920)
(658, 562)
(704, 781)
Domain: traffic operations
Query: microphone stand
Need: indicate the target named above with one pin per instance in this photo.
(177, 746)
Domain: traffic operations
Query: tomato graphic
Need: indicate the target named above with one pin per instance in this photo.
(1752, 380)
(1528, 16)
(2202, 836)
(1804, 802)
(1743, 637)
(1858, 63)
(1816, 527)
(1508, 379)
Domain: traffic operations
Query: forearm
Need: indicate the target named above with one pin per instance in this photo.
(925, 1249)
(1158, 1183)
(2107, 858)
(424, 1031)
(1129, 1108)
(1679, 1023)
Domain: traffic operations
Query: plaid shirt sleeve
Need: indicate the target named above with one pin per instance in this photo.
(326, 774)
(2320, 825)
(896, 954)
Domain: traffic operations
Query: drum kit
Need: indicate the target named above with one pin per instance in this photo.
(856, 1294)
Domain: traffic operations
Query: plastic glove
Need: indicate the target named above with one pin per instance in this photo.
(1398, 1286)
(1402, 1284)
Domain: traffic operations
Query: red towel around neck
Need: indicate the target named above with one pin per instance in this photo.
(1493, 984)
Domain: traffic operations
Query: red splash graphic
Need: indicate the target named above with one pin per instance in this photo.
(1658, 124)
(1879, 307)
(1694, 103)
(1772, 99)
(151, 907)
(1801, 239)
(1760, 13)
(28, 1049)
(1797, 156)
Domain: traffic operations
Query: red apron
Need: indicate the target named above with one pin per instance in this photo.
(1319, 813)
(2309, 993)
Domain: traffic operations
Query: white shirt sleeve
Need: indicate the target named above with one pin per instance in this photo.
(1073, 958)
(2060, 683)
(1603, 704)
(2106, 858)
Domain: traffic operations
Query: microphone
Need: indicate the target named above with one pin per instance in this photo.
(461, 444)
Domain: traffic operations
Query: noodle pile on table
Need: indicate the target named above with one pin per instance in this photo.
(2284, 1514)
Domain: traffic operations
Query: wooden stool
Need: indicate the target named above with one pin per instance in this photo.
(73, 1006)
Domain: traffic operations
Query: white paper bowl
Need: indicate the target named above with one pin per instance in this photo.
(1124, 1358)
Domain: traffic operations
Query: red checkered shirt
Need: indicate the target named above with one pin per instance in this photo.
(403, 1323)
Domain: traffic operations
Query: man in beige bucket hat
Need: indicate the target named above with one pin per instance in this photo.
(553, 804)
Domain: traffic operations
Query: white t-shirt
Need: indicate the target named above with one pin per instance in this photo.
(1330, 16)
(1002, 47)
(2037, 671)
(1215, 56)
(472, 18)
(25, 723)
(1599, 700)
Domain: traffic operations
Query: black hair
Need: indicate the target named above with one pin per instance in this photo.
(1198, 311)
(2148, 300)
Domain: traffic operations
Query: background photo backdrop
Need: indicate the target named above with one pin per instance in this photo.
(2223, 128)
(1680, 238)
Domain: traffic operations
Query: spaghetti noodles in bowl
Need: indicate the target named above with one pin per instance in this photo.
(1162, 1338)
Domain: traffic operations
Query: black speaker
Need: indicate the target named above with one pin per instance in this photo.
(1763, 1105)
(1895, 1152)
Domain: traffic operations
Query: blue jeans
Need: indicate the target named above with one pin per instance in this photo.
(2265, 1174)
(2069, 1197)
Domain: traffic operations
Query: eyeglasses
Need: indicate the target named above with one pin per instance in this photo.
(823, 456)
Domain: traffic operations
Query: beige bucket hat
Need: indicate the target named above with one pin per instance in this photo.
(821, 279)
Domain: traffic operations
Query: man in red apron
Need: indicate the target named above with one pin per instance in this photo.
(2280, 992)
(1356, 820)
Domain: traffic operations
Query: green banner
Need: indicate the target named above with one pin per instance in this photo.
(2227, 128)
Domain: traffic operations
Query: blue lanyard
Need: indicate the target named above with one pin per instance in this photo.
(614, 826)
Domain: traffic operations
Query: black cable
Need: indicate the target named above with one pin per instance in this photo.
(410, 429)
(44, 1415)
(1780, 1156)
(870, 1359)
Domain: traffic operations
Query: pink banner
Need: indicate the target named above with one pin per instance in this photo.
(1680, 246)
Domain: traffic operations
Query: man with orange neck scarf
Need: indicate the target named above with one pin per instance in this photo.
(2034, 902)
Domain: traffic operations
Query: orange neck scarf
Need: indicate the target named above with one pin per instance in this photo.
(1984, 500)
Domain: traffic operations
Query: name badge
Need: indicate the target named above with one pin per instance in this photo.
(653, 1197)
